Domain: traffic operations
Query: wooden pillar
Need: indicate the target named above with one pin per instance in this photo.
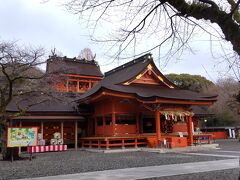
(77, 86)
(89, 85)
(135, 142)
(76, 135)
(158, 126)
(99, 144)
(190, 131)
(114, 123)
(113, 117)
(42, 129)
(107, 143)
(20, 149)
(95, 124)
(89, 120)
(137, 123)
(62, 133)
(123, 146)
(104, 124)
(67, 85)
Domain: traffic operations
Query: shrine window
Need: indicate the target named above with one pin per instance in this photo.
(108, 119)
(72, 85)
(99, 120)
(83, 86)
(126, 119)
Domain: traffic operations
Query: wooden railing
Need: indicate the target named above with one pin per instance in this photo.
(202, 138)
(110, 142)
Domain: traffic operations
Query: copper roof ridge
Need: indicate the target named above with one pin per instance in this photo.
(130, 63)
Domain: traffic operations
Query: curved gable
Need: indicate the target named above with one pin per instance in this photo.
(150, 75)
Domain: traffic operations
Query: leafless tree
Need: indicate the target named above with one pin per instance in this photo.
(227, 106)
(87, 54)
(171, 22)
(20, 80)
(24, 85)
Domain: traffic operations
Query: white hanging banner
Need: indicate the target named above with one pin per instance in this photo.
(192, 128)
(230, 133)
(233, 134)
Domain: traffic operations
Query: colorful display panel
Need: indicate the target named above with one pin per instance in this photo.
(20, 137)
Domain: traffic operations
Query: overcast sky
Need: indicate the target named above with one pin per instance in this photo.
(50, 26)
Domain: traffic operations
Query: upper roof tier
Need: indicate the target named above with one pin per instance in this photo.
(142, 79)
(73, 66)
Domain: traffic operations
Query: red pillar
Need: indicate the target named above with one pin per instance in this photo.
(76, 135)
(113, 118)
(95, 124)
(114, 123)
(190, 131)
(137, 124)
(158, 126)
(88, 126)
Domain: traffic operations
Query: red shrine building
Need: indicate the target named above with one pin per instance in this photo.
(132, 105)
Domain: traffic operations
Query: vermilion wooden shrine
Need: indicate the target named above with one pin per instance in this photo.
(131, 105)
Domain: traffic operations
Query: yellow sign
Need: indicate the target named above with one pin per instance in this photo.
(20, 137)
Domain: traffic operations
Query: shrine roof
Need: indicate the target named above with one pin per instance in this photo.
(41, 103)
(121, 80)
(202, 111)
(75, 66)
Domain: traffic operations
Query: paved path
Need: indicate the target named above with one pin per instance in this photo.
(150, 171)
(216, 153)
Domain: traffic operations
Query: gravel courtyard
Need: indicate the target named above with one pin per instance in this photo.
(69, 162)
(56, 163)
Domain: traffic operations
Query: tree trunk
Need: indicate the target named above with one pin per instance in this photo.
(212, 13)
(3, 144)
(7, 153)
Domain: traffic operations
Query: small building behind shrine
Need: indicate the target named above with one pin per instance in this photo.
(132, 105)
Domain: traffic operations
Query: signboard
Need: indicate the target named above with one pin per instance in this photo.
(20, 137)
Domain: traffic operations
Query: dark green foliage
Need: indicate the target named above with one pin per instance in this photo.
(190, 82)
(223, 118)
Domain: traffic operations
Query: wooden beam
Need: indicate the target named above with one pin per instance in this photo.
(156, 101)
(82, 76)
(30, 117)
(189, 102)
(76, 135)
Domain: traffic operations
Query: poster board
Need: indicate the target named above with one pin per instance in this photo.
(22, 137)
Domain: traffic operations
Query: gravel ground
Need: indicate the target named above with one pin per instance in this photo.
(229, 145)
(69, 162)
(230, 174)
